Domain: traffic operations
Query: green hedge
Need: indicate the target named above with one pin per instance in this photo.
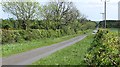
(105, 49)
(11, 36)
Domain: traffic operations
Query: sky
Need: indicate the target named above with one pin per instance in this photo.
(92, 9)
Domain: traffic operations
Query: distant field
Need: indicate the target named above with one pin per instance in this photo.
(113, 29)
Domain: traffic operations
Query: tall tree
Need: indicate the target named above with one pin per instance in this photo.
(23, 11)
(60, 13)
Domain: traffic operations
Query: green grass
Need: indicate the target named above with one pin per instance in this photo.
(72, 55)
(10, 49)
(113, 29)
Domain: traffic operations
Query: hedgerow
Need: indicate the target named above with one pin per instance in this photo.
(104, 50)
(11, 36)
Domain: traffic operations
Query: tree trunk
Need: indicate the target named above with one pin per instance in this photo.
(24, 25)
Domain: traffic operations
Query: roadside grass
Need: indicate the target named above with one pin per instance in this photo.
(72, 55)
(10, 49)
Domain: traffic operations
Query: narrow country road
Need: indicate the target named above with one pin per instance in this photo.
(27, 58)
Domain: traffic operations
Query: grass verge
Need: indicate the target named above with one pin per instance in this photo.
(72, 55)
(10, 49)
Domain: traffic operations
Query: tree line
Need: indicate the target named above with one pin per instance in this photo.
(53, 15)
(110, 23)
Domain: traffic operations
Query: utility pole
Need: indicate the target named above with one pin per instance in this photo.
(105, 4)
(105, 12)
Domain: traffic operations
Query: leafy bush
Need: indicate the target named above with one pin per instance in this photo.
(88, 25)
(6, 27)
(18, 36)
(11, 36)
(68, 30)
(105, 49)
(8, 36)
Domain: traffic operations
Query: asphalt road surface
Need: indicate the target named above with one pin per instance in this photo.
(27, 58)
